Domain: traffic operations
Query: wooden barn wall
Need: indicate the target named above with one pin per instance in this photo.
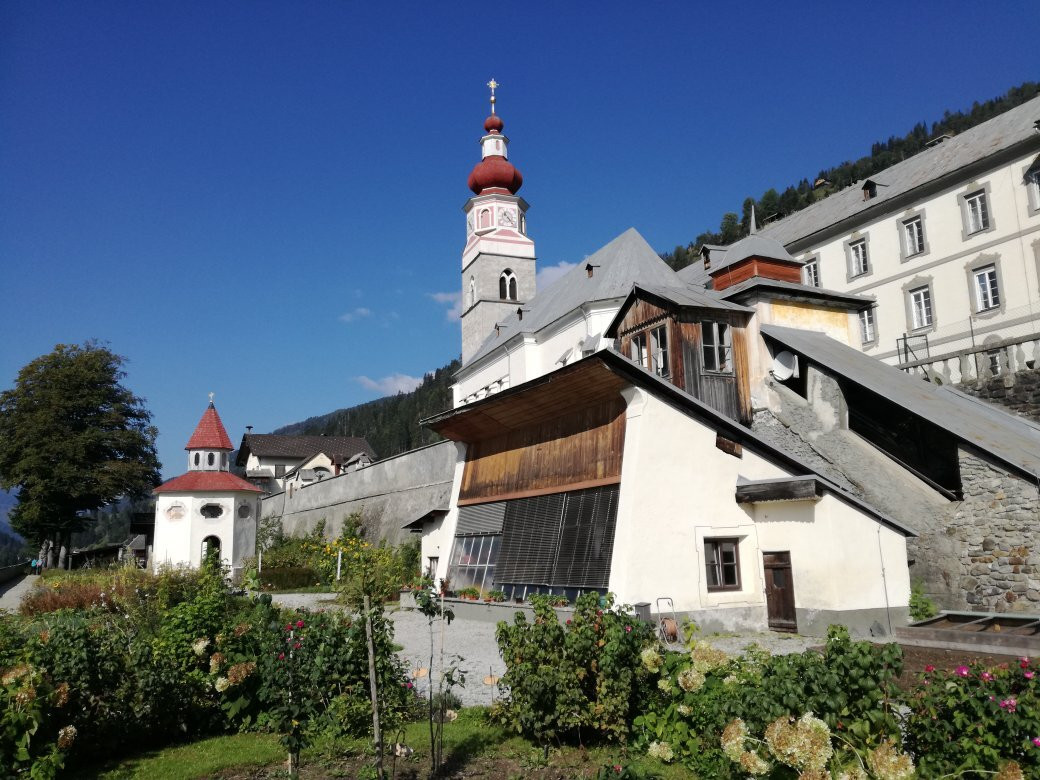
(581, 449)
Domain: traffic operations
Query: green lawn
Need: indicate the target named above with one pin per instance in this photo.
(470, 743)
(195, 760)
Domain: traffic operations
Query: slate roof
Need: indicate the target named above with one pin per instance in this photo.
(275, 445)
(803, 291)
(209, 433)
(685, 295)
(755, 245)
(1001, 132)
(1010, 439)
(616, 267)
(207, 482)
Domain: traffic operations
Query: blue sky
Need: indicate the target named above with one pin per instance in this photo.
(263, 200)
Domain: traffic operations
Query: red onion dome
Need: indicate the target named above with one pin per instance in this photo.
(495, 172)
(494, 124)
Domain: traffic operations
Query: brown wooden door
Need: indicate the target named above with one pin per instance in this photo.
(780, 591)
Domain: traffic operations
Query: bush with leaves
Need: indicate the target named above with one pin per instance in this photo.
(577, 681)
(850, 687)
(973, 719)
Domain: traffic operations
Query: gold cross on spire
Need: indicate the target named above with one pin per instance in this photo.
(493, 85)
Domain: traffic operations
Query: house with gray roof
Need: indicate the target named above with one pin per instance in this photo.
(946, 241)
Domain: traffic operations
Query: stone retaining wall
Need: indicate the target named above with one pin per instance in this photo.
(1019, 392)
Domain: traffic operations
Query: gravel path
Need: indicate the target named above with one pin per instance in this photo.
(474, 642)
(11, 593)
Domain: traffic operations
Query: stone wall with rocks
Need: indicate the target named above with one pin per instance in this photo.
(1019, 392)
(996, 527)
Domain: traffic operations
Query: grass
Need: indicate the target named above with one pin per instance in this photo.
(472, 746)
(194, 760)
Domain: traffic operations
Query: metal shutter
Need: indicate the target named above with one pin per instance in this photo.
(530, 539)
(586, 538)
(481, 518)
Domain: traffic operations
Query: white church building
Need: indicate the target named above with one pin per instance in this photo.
(208, 509)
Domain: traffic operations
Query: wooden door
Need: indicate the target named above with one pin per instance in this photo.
(780, 591)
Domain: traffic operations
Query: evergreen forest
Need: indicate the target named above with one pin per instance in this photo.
(390, 424)
(773, 205)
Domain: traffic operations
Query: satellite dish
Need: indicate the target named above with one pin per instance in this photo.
(785, 365)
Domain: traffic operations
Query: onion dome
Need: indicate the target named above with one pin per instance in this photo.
(494, 124)
(495, 172)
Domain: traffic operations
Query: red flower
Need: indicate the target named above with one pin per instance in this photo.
(929, 668)
(628, 629)
(568, 621)
(281, 656)
(299, 624)
(296, 646)
(288, 626)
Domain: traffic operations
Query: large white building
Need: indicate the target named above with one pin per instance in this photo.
(947, 241)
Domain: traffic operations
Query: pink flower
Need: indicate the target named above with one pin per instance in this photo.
(1036, 741)
(617, 768)
(296, 646)
(299, 624)
(1009, 705)
(961, 671)
(929, 668)
(288, 626)
(1023, 662)
(628, 629)
(599, 613)
(1029, 675)
(281, 656)
(986, 677)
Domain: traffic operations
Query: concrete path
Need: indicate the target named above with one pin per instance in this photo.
(474, 642)
(11, 593)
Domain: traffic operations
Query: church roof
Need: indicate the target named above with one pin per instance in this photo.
(209, 433)
(207, 482)
(608, 273)
(754, 245)
(930, 165)
(275, 445)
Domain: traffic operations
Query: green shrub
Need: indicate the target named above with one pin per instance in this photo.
(921, 607)
(288, 577)
(973, 719)
(576, 681)
(850, 686)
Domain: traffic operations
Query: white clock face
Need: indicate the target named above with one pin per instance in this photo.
(507, 217)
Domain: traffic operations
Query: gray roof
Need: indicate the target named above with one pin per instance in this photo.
(619, 264)
(695, 274)
(754, 245)
(687, 295)
(795, 290)
(972, 145)
(274, 445)
(1007, 438)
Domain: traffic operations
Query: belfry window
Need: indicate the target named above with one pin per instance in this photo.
(507, 286)
(485, 219)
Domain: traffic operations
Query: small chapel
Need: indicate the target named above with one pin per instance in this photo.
(207, 510)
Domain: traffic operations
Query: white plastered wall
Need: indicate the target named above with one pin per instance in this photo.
(677, 489)
(178, 542)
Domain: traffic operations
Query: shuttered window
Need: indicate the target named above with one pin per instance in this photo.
(530, 538)
(563, 540)
(481, 518)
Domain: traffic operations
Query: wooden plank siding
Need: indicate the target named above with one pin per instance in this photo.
(756, 266)
(578, 450)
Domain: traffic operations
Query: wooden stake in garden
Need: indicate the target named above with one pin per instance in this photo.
(374, 691)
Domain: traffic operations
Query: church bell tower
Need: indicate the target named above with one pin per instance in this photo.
(498, 262)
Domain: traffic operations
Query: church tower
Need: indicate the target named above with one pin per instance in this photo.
(498, 263)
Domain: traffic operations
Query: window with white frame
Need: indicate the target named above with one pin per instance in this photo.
(987, 292)
(921, 307)
(650, 349)
(811, 272)
(722, 563)
(867, 332)
(1033, 189)
(717, 347)
(976, 211)
(858, 261)
(913, 236)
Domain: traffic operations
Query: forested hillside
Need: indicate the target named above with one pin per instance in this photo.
(775, 205)
(390, 424)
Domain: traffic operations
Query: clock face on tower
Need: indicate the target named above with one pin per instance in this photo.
(507, 218)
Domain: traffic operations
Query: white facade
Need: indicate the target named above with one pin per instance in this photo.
(184, 521)
(958, 264)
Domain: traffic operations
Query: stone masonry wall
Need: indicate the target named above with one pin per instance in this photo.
(1019, 392)
(997, 526)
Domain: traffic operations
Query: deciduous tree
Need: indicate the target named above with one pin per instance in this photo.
(72, 439)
